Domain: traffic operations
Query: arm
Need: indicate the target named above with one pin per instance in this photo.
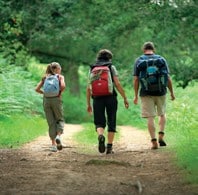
(62, 83)
(136, 88)
(39, 86)
(88, 95)
(170, 87)
(121, 90)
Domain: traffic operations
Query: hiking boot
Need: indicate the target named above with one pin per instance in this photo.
(160, 140)
(101, 143)
(53, 148)
(154, 144)
(58, 142)
(109, 150)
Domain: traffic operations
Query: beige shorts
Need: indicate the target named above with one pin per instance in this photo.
(152, 105)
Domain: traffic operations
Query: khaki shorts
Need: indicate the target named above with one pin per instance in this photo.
(152, 105)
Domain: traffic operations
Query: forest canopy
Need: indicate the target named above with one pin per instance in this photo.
(72, 31)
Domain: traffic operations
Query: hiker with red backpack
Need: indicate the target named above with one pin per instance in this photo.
(103, 79)
(151, 76)
(51, 86)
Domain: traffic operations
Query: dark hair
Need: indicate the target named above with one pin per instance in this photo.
(104, 54)
(148, 46)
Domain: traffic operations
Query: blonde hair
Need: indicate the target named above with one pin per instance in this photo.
(51, 68)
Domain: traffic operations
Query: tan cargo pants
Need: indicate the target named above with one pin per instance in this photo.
(53, 108)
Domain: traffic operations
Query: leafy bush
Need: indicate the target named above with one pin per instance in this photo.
(17, 93)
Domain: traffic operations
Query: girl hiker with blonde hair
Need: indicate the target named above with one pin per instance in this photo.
(51, 86)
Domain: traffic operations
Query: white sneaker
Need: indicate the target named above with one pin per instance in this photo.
(58, 142)
(53, 148)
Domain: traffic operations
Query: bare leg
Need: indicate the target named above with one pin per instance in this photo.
(100, 131)
(110, 142)
(162, 122)
(101, 140)
(110, 137)
(151, 129)
(53, 142)
(151, 126)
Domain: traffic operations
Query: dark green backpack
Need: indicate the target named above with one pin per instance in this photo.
(153, 73)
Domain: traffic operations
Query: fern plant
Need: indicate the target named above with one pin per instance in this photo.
(17, 93)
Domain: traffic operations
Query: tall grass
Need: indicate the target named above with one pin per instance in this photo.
(182, 127)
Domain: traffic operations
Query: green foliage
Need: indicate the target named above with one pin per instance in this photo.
(17, 93)
(178, 21)
(65, 32)
(19, 129)
(36, 69)
(75, 108)
(11, 34)
(183, 129)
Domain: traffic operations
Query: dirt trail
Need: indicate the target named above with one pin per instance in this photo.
(77, 169)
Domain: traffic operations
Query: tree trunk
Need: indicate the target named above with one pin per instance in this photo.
(72, 79)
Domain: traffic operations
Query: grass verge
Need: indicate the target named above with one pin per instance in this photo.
(19, 129)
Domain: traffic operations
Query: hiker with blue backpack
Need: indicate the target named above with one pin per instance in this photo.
(51, 86)
(151, 80)
(103, 79)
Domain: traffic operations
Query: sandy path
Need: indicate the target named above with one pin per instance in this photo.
(79, 170)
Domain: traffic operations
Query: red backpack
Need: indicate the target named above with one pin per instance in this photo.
(101, 80)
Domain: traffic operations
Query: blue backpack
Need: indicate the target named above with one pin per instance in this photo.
(153, 73)
(51, 87)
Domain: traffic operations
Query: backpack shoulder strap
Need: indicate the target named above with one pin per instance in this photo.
(110, 69)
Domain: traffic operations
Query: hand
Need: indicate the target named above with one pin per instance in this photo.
(89, 109)
(172, 97)
(135, 100)
(126, 103)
